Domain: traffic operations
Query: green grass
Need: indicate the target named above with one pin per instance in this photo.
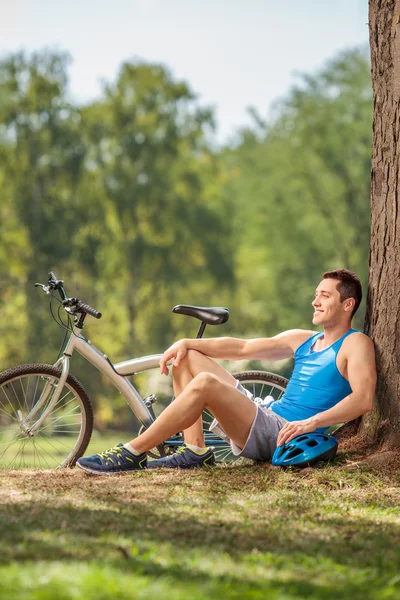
(228, 532)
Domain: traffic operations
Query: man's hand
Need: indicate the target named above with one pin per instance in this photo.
(294, 428)
(176, 352)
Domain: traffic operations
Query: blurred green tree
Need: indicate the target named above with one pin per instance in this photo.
(166, 232)
(300, 185)
(42, 152)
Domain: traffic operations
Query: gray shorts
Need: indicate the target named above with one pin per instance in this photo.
(261, 441)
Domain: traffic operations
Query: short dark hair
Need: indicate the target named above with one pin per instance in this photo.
(349, 286)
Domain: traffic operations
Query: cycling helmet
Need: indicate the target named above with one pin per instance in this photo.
(305, 450)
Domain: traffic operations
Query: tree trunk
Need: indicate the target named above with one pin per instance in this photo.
(382, 322)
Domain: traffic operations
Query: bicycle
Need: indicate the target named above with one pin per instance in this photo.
(46, 417)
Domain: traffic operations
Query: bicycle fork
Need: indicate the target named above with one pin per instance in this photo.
(51, 387)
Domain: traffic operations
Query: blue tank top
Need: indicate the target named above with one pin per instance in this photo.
(316, 383)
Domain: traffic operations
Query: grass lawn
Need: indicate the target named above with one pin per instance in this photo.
(228, 532)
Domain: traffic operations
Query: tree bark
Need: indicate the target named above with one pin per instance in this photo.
(382, 322)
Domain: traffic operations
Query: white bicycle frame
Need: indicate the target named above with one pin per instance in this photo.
(115, 373)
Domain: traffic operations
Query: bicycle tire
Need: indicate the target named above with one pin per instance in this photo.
(263, 377)
(56, 435)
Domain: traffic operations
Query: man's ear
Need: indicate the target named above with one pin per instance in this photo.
(349, 304)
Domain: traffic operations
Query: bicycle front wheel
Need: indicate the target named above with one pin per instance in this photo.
(64, 434)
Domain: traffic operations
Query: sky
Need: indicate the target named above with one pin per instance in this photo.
(233, 53)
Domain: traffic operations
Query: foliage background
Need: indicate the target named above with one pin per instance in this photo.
(131, 201)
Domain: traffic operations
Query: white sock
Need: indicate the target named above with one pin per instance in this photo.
(131, 449)
(196, 449)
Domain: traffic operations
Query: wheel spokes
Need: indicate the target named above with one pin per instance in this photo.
(54, 442)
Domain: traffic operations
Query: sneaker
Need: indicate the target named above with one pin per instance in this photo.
(184, 458)
(112, 462)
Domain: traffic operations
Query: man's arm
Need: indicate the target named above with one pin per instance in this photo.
(361, 372)
(278, 347)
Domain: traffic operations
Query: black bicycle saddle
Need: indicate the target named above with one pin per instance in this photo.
(212, 315)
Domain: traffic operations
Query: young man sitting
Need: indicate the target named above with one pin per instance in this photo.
(333, 381)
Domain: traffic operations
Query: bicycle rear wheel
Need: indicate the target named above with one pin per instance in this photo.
(62, 437)
(259, 383)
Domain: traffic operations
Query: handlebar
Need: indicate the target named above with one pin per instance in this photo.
(53, 277)
(57, 284)
(71, 305)
(85, 308)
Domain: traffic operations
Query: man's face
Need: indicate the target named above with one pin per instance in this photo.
(327, 306)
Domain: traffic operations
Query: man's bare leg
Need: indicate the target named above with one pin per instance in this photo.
(192, 364)
(234, 411)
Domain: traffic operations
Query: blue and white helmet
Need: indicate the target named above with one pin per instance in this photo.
(305, 450)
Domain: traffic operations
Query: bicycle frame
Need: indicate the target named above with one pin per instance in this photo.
(115, 373)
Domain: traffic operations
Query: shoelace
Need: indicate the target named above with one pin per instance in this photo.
(111, 452)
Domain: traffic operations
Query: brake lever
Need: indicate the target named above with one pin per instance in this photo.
(46, 288)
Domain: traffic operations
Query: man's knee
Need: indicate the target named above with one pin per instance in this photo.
(205, 383)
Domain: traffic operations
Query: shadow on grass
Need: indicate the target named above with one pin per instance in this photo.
(43, 532)
(70, 534)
